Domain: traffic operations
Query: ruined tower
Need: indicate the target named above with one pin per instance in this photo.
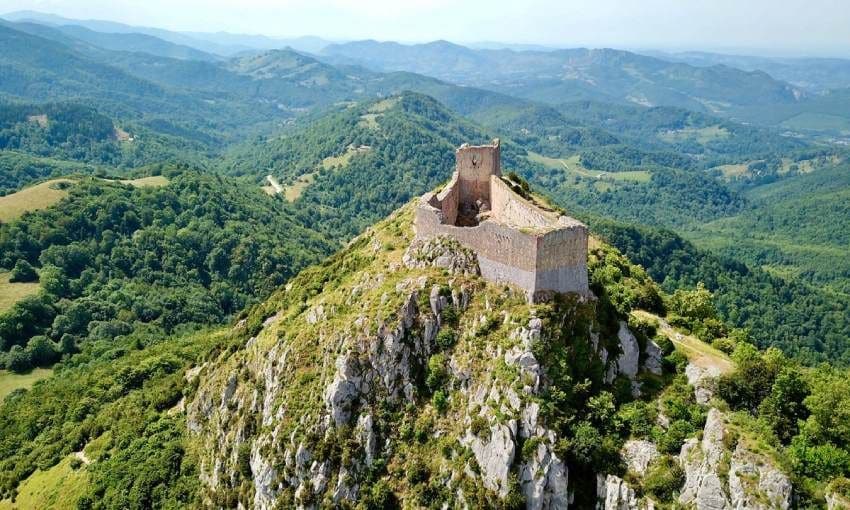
(517, 241)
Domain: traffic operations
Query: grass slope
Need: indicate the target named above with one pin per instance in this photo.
(11, 293)
(10, 382)
(40, 196)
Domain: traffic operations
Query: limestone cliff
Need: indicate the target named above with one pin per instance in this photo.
(394, 375)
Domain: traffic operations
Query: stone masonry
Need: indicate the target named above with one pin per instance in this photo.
(516, 240)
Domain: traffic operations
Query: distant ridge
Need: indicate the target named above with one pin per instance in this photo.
(220, 43)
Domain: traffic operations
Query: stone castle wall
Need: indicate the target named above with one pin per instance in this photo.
(512, 209)
(516, 242)
(474, 166)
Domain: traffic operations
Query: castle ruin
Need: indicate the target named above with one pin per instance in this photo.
(517, 241)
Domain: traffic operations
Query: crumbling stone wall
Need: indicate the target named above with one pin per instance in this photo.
(516, 242)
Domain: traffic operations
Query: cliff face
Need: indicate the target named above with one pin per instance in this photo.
(394, 374)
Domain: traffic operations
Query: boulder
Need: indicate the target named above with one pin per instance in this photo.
(639, 454)
(613, 493)
(703, 381)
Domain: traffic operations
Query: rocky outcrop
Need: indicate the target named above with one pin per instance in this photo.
(701, 462)
(441, 251)
(629, 359)
(703, 380)
(653, 358)
(614, 493)
(494, 454)
(716, 478)
(544, 478)
(639, 454)
(754, 483)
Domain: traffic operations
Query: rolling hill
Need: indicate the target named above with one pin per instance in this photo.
(576, 74)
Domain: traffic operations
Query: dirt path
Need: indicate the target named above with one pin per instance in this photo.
(698, 352)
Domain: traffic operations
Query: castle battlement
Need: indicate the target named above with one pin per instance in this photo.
(516, 240)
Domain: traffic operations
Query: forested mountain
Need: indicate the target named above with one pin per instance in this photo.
(112, 258)
(577, 74)
(791, 229)
(219, 43)
(815, 74)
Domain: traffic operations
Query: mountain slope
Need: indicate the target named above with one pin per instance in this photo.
(792, 229)
(369, 390)
(564, 75)
(220, 43)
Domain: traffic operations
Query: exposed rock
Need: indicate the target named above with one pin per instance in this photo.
(494, 455)
(639, 454)
(441, 251)
(524, 358)
(627, 362)
(613, 493)
(703, 381)
(263, 474)
(754, 483)
(344, 391)
(653, 357)
(836, 502)
(701, 461)
(365, 427)
(543, 479)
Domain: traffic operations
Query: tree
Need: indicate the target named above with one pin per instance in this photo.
(784, 407)
(19, 359)
(42, 351)
(693, 304)
(23, 272)
(54, 281)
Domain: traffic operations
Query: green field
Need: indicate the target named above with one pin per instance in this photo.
(10, 382)
(573, 166)
(702, 135)
(11, 293)
(154, 181)
(57, 488)
(818, 121)
(40, 196)
(293, 191)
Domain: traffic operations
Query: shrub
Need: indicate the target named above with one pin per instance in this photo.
(663, 478)
(724, 344)
(675, 362)
(438, 374)
(381, 497)
(638, 418)
(418, 473)
(42, 351)
(23, 272)
(243, 460)
(646, 327)
(18, 359)
(479, 426)
(440, 401)
(672, 440)
(445, 339)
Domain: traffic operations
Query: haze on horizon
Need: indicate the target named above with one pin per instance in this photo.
(760, 27)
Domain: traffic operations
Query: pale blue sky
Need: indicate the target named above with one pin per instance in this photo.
(793, 27)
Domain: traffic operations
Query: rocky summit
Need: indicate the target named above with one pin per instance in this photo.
(394, 374)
